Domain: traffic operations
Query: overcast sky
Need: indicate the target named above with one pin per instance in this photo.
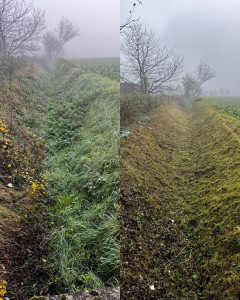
(199, 30)
(98, 21)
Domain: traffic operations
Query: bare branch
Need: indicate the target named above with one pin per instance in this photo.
(129, 20)
(21, 26)
(54, 42)
(148, 61)
(192, 82)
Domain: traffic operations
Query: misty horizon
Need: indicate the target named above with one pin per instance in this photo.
(198, 30)
(98, 23)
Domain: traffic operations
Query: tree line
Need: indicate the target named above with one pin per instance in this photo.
(22, 31)
(156, 68)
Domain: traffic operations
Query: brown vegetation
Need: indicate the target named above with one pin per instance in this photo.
(180, 207)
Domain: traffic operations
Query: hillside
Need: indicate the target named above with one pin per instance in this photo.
(180, 206)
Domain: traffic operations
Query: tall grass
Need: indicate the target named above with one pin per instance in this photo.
(82, 130)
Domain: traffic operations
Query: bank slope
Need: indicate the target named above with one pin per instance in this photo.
(22, 200)
(82, 130)
(180, 207)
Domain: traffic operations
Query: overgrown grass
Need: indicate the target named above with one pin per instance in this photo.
(82, 129)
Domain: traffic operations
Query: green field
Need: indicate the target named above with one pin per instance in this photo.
(111, 61)
(104, 66)
(228, 106)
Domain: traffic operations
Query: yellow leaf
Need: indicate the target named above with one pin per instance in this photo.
(2, 292)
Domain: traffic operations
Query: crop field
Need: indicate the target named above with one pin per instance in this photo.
(110, 61)
(228, 106)
(107, 67)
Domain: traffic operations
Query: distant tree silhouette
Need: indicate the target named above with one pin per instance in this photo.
(192, 82)
(54, 42)
(21, 26)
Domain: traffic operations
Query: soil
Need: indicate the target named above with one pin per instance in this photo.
(110, 293)
(23, 247)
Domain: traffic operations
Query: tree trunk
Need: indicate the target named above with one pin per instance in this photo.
(1, 46)
(4, 46)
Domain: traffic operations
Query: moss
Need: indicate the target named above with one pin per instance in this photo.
(37, 298)
(126, 151)
(152, 201)
(63, 297)
(135, 175)
(215, 206)
(19, 208)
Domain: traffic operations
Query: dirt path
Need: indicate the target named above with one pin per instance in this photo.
(172, 229)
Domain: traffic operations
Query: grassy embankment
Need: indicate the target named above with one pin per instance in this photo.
(82, 130)
(22, 189)
(180, 206)
(71, 120)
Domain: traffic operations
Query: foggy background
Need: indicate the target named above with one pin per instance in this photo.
(98, 22)
(199, 30)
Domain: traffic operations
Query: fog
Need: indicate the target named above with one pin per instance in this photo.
(199, 30)
(98, 22)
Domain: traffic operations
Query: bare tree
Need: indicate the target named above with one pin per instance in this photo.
(54, 42)
(149, 62)
(129, 20)
(192, 82)
(21, 26)
(51, 46)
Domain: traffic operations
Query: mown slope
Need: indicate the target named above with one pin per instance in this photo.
(180, 207)
(152, 244)
(213, 198)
